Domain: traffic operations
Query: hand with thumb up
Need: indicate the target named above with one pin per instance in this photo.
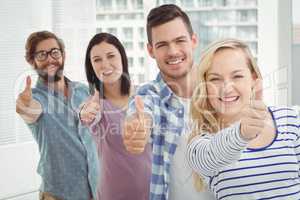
(137, 129)
(90, 108)
(254, 115)
(26, 106)
(25, 97)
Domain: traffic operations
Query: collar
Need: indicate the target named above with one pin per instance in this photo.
(40, 84)
(168, 97)
(163, 89)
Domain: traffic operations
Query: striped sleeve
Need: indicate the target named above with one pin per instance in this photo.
(297, 142)
(208, 153)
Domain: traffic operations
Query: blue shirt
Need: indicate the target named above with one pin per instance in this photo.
(167, 113)
(68, 157)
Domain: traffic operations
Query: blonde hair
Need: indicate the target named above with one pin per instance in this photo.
(202, 113)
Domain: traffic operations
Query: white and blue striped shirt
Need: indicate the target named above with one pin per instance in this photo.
(233, 171)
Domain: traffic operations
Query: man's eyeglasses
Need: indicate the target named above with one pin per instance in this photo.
(55, 53)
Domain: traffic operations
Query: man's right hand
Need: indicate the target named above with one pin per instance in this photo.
(90, 108)
(26, 106)
(24, 97)
(137, 129)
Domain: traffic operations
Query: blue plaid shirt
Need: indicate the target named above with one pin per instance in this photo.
(167, 113)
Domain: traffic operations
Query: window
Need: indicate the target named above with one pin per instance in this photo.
(141, 61)
(169, 1)
(130, 62)
(226, 16)
(243, 15)
(187, 3)
(142, 32)
(104, 4)
(224, 32)
(121, 4)
(112, 31)
(246, 33)
(114, 17)
(141, 78)
(247, 16)
(128, 46)
(137, 4)
(129, 16)
(100, 17)
(247, 2)
(203, 16)
(99, 30)
(128, 33)
(140, 16)
(141, 46)
(204, 3)
(253, 48)
(228, 2)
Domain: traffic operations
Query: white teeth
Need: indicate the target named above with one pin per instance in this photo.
(174, 62)
(229, 99)
(106, 73)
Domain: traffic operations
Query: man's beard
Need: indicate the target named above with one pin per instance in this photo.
(54, 78)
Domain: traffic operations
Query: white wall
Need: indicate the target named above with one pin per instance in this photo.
(18, 153)
(73, 21)
(274, 50)
(296, 75)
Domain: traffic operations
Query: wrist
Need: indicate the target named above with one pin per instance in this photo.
(81, 107)
(245, 136)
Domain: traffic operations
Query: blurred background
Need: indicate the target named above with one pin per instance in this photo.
(270, 28)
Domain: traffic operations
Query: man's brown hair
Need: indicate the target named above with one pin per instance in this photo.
(164, 14)
(37, 37)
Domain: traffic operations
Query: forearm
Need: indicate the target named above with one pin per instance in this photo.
(209, 153)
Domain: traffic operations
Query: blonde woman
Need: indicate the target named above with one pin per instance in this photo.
(258, 157)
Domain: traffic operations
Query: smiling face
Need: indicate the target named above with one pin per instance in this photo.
(107, 62)
(49, 69)
(229, 83)
(172, 47)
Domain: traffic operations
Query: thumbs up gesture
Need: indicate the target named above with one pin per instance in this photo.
(28, 108)
(90, 108)
(254, 115)
(25, 98)
(137, 129)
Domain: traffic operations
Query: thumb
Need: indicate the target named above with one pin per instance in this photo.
(258, 89)
(28, 85)
(27, 93)
(139, 104)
